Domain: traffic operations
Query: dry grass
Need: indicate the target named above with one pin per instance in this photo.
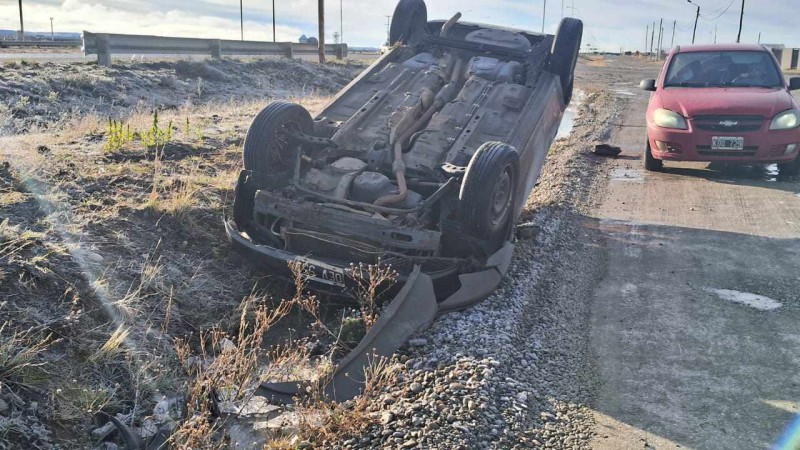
(20, 351)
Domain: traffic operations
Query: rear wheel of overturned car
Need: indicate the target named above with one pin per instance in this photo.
(488, 192)
(268, 146)
(650, 162)
(408, 22)
(564, 54)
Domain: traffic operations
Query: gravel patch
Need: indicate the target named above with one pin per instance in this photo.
(516, 370)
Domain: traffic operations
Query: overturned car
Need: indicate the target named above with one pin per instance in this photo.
(423, 162)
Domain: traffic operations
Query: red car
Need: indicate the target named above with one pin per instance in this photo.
(723, 103)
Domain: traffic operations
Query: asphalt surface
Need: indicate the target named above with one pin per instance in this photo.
(694, 323)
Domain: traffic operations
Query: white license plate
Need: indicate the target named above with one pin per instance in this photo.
(323, 273)
(727, 143)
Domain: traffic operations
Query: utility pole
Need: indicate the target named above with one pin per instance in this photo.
(759, 37)
(52, 34)
(660, 34)
(388, 29)
(341, 22)
(21, 23)
(562, 9)
(696, 18)
(672, 42)
(321, 18)
(646, 35)
(715, 33)
(741, 19)
(544, 12)
(273, 21)
(652, 38)
(241, 18)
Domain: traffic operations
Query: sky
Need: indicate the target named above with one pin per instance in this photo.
(610, 25)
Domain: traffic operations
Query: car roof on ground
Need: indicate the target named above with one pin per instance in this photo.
(720, 48)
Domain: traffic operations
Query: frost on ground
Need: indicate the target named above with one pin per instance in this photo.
(45, 95)
(113, 185)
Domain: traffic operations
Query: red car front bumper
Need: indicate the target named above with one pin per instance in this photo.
(760, 145)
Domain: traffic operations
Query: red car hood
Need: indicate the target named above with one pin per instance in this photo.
(691, 102)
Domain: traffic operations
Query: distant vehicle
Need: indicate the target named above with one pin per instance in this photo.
(423, 162)
(723, 102)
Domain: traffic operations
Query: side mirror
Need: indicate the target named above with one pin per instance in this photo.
(648, 85)
(794, 83)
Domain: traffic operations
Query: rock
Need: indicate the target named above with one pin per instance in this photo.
(3, 407)
(417, 342)
(168, 409)
(304, 444)
(411, 443)
(148, 429)
(387, 417)
(416, 387)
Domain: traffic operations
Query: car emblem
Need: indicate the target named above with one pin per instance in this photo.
(729, 123)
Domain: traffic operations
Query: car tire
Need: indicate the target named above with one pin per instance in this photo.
(650, 162)
(409, 22)
(564, 54)
(790, 169)
(267, 147)
(488, 192)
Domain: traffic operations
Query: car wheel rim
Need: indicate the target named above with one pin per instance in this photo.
(281, 156)
(501, 199)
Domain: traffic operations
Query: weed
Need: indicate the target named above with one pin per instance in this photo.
(118, 134)
(156, 137)
(75, 401)
(112, 347)
(19, 351)
(22, 102)
(52, 97)
(372, 281)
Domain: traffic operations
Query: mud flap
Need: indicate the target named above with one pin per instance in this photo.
(412, 309)
(477, 286)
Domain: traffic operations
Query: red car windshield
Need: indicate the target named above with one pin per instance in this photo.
(723, 69)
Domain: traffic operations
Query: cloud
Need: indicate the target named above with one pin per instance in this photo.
(610, 24)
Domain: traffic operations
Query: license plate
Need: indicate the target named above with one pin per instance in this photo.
(323, 273)
(727, 143)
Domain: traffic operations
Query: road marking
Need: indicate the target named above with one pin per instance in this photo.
(745, 298)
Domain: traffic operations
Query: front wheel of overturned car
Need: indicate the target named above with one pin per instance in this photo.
(268, 146)
(564, 54)
(488, 192)
(650, 162)
(408, 22)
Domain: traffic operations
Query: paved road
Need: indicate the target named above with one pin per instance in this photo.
(696, 324)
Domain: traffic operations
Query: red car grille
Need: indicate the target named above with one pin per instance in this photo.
(748, 151)
(727, 124)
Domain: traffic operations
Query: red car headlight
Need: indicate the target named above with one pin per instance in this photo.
(665, 118)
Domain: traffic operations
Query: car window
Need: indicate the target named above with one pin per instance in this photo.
(723, 69)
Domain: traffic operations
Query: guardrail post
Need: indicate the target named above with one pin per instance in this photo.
(341, 51)
(289, 52)
(103, 50)
(216, 49)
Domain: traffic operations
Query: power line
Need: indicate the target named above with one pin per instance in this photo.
(718, 13)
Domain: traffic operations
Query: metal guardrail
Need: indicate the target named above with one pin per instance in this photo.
(104, 45)
(61, 43)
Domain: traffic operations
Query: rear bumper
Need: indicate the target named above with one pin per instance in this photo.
(761, 146)
(453, 290)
